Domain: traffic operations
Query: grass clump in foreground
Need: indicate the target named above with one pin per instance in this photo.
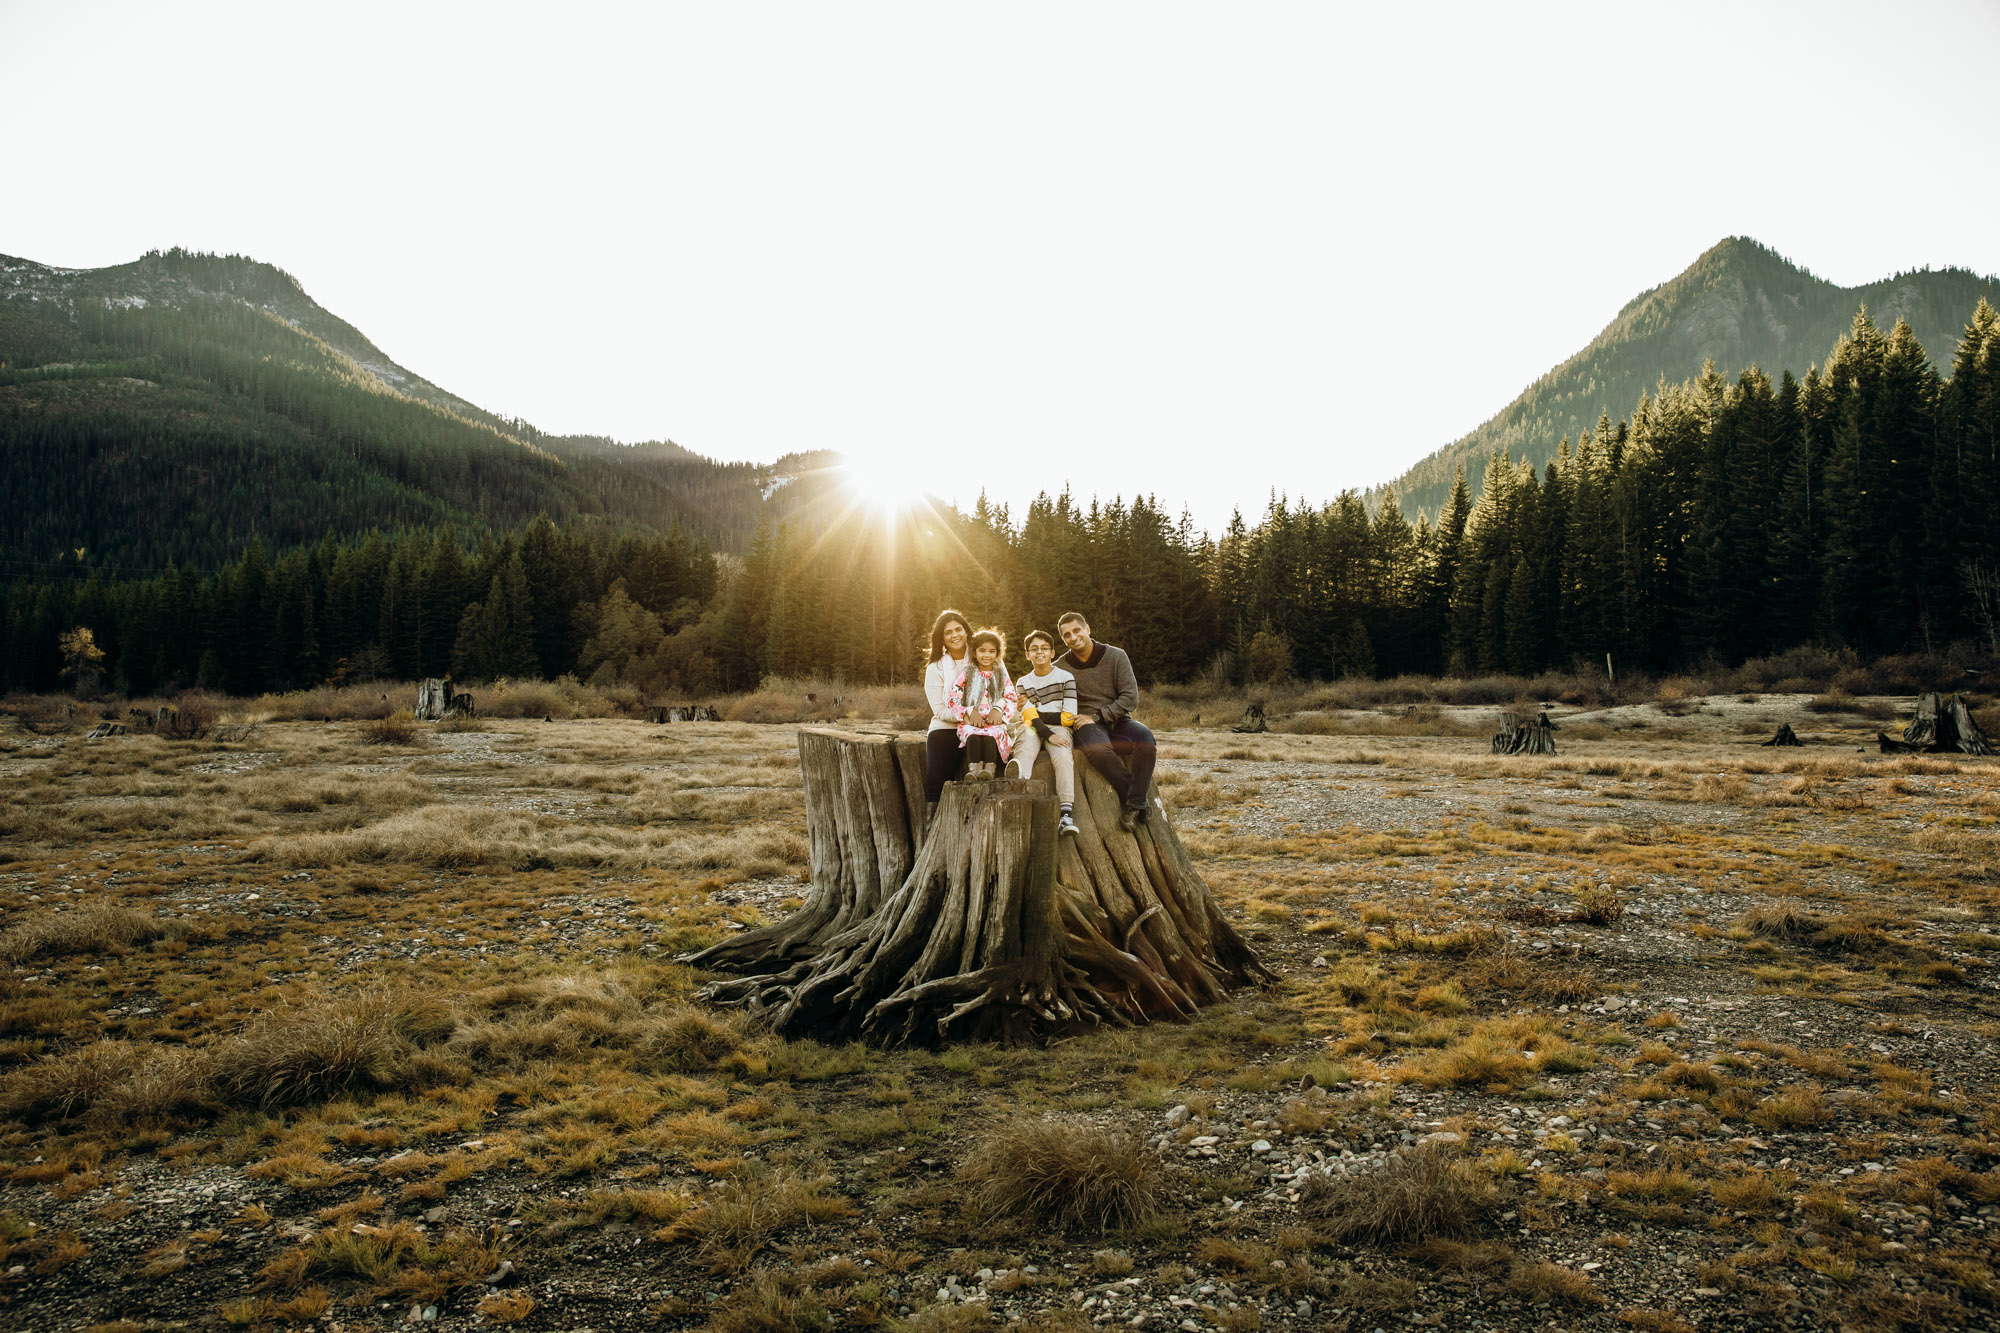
(1074, 1177)
(309, 1052)
(294, 1056)
(1412, 1196)
(746, 1214)
(100, 927)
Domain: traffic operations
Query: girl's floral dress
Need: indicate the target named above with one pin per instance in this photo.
(976, 687)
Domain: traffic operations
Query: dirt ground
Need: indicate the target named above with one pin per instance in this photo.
(328, 1027)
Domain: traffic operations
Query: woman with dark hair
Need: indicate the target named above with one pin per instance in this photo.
(944, 670)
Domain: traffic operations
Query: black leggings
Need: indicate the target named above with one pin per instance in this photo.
(942, 760)
(982, 750)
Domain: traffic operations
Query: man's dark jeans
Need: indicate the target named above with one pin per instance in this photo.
(1124, 753)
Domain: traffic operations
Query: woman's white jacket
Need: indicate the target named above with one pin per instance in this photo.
(940, 681)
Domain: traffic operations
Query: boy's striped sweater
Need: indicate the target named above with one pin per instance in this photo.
(1052, 695)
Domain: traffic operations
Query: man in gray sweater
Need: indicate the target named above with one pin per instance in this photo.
(1106, 693)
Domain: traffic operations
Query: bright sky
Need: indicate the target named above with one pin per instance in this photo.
(1198, 251)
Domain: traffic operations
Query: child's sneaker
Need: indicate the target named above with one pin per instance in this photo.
(1066, 827)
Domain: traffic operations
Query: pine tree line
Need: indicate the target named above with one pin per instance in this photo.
(1723, 520)
(398, 607)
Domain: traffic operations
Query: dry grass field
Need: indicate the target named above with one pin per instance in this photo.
(355, 1024)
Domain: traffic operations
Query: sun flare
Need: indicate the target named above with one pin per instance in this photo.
(881, 485)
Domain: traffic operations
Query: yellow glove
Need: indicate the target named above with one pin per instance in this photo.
(1029, 712)
(1068, 718)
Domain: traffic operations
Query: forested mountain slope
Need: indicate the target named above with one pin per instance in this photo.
(1739, 305)
(176, 407)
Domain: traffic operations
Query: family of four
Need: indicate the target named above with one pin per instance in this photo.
(981, 717)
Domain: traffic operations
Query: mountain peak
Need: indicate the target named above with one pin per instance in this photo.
(1739, 304)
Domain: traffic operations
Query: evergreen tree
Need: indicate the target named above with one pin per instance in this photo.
(496, 636)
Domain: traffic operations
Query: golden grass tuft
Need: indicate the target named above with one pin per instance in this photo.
(1598, 906)
(1781, 920)
(772, 1302)
(748, 1212)
(505, 1307)
(1793, 1108)
(684, 1039)
(398, 728)
(451, 837)
(308, 1051)
(1412, 1196)
(1539, 1282)
(556, 1018)
(1517, 971)
(114, 1082)
(1075, 1177)
(99, 927)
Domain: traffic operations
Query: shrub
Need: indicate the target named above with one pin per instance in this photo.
(398, 728)
(1412, 1196)
(564, 697)
(326, 703)
(1269, 657)
(1598, 906)
(1074, 1177)
(192, 718)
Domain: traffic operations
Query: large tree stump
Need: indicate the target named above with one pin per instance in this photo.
(980, 922)
(1938, 728)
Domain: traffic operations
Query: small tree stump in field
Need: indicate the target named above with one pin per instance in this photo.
(433, 699)
(1521, 735)
(1938, 728)
(977, 922)
(682, 713)
(1785, 737)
